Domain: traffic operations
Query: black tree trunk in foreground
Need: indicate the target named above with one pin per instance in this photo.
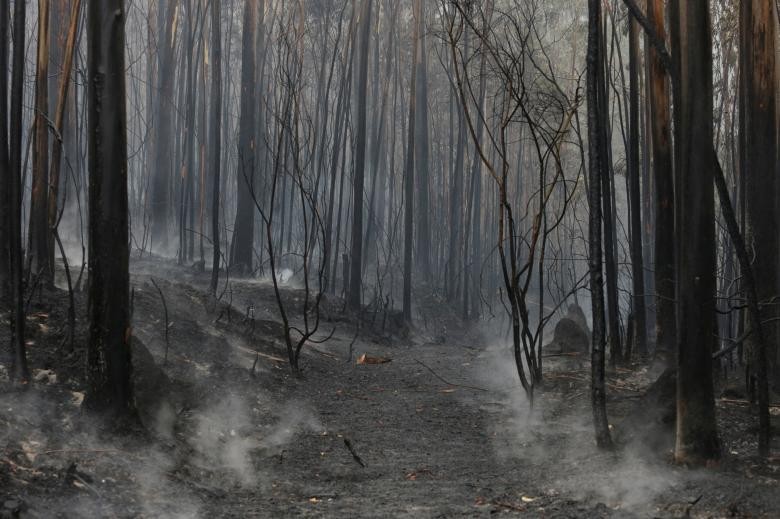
(761, 162)
(5, 165)
(19, 360)
(109, 362)
(637, 265)
(697, 436)
(595, 173)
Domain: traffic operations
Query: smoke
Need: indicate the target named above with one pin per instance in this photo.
(223, 440)
(221, 445)
(297, 418)
(101, 473)
(555, 437)
(230, 436)
(284, 276)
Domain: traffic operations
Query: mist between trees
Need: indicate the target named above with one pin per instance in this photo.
(611, 164)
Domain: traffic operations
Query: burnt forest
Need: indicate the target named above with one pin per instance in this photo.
(389, 258)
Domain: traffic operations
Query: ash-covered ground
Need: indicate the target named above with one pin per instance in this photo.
(441, 428)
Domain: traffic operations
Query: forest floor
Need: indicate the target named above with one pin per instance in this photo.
(440, 430)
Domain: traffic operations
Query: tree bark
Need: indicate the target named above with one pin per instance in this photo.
(162, 166)
(409, 181)
(760, 170)
(697, 437)
(637, 264)
(38, 249)
(355, 277)
(59, 117)
(665, 275)
(109, 360)
(422, 151)
(19, 371)
(241, 254)
(216, 134)
(596, 172)
(760, 163)
(5, 165)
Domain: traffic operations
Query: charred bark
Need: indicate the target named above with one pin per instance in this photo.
(596, 172)
(109, 362)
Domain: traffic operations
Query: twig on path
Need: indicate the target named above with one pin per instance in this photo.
(254, 365)
(358, 459)
(691, 504)
(165, 308)
(448, 382)
(743, 402)
(87, 451)
(509, 506)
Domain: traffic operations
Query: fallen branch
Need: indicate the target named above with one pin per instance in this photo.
(448, 382)
(744, 402)
(87, 451)
(358, 459)
(165, 308)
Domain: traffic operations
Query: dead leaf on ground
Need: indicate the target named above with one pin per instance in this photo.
(415, 474)
(30, 449)
(367, 359)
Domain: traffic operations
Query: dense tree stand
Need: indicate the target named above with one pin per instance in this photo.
(341, 258)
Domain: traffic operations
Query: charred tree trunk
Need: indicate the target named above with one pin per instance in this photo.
(19, 371)
(59, 118)
(38, 250)
(216, 134)
(162, 165)
(760, 162)
(697, 436)
(409, 182)
(109, 360)
(596, 137)
(760, 153)
(422, 151)
(663, 177)
(608, 208)
(5, 165)
(637, 264)
(241, 254)
(355, 278)
(456, 210)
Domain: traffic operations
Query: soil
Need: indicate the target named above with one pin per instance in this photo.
(382, 422)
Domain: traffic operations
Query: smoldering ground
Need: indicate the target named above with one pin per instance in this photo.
(456, 439)
(554, 436)
(90, 470)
